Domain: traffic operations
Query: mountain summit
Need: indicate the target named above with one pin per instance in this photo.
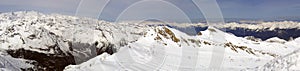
(35, 41)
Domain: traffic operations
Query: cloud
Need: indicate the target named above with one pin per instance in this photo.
(230, 8)
(48, 6)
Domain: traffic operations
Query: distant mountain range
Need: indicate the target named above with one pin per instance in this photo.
(252, 20)
(44, 42)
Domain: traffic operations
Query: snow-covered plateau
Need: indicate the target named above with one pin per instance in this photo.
(35, 41)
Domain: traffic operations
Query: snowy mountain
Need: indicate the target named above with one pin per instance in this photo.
(55, 41)
(240, 53)
(35, 41)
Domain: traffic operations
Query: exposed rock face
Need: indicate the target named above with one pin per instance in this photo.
(79, 53)
(55, 41)
(167, 33)
(44, 62)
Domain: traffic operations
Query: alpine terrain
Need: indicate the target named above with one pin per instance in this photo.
(34, 41)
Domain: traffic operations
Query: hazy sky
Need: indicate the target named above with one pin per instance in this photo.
(229, 8)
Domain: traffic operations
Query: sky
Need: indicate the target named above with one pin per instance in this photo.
(114, 8)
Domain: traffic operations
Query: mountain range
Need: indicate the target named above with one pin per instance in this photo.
(34, 41)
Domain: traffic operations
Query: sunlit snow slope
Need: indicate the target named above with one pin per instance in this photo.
(159, 50)
(35, 41)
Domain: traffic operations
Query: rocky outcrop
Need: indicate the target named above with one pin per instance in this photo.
(44, 62)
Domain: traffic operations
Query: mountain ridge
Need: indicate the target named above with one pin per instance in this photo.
(83, 41)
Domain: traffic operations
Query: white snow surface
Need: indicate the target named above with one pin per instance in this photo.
(289, 62)
(47, 34)
(264, 25)
(142, 47)
(35, 31)
(150, 54)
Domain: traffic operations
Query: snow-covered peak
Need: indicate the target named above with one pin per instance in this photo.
(55, 41)
(264, 25)
(169, 45)
(276, 39)
(232, 25)
(62, 36)
(32, 29)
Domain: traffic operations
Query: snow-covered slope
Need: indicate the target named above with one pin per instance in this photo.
(35, 41)
(58, 40)
(288, 62)
(159, 51)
